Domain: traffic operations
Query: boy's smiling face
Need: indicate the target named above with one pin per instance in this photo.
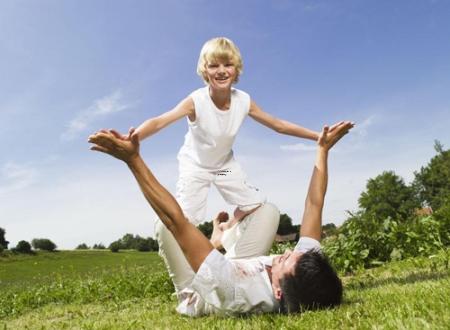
(221, 74)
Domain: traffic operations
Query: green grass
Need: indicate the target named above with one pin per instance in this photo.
(21, 271)
(133, 294)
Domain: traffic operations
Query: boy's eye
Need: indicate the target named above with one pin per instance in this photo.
(229, 65)
(213, 65)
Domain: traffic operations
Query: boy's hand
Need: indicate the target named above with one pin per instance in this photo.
(111, 142)
(330, 135)
(124, 137)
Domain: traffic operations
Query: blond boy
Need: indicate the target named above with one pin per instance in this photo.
(214, 114)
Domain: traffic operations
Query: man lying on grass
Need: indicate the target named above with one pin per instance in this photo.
(297, 280)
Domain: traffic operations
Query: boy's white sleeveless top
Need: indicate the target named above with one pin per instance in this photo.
(209, 140)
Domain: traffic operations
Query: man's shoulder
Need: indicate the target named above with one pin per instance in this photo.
(306, 243)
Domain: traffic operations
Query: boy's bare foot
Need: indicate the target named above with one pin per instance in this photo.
(219, 225)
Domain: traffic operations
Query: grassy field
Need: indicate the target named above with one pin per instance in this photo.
(130, 290)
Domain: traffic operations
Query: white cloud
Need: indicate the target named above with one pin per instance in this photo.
(298, 147)
(102, 107)
(362, 129)
(15, 177)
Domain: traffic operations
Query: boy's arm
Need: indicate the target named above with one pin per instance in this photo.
(279, 125)
(312, 216)
(151, 126)
(193, 243)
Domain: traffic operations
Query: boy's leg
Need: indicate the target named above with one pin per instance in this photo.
(231, 182)
(254, 235)
(191, 194)
(177, 266)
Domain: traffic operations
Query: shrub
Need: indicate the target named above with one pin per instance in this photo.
(443, 216)
(3, 242)
(114, 246)
(82, 246)
(43, 244)
(98, 246)
(364, 241)
(206, 228)
(23, 247)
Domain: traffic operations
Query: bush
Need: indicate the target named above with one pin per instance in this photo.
(23, 247)
(114, 246)
(82, 246)
(98, 246)
(364, 241)
(206, 228)
(443, 216)
(43, 244)
(3, 242)
(135, 242)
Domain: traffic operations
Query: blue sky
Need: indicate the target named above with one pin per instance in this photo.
(69, 68)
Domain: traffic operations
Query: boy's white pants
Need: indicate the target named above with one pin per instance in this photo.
(230, 180)
(252, 237)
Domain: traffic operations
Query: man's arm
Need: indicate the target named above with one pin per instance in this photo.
(312, 216)
(279, 125)
(193, 243)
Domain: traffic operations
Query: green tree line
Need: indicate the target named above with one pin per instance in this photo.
(396, 220)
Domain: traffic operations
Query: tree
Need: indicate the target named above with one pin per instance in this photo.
(82, 246)
(23, 247)
(432, 182)
(329, 229)
(114, 246)
(43, 244)
(285, 226)
(128, 242)
(98, 246)
(206, 228)
(387, 195)
(3, 242)
(131, 242)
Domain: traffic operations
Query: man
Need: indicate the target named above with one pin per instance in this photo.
(295, 280)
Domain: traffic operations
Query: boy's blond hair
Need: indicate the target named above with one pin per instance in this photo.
(219, 49)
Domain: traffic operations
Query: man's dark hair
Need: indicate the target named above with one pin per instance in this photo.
(314, 284)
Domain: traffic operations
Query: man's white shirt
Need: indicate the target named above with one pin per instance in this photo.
(227, 287)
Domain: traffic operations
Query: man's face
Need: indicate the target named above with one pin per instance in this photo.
(283, 265)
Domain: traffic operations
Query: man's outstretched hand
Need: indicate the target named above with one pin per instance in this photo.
(330, 135)
(112, 142)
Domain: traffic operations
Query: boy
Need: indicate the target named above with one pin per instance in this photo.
(214, 115)
(295, 280)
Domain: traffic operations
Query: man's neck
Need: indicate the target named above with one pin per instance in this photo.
(269, 272)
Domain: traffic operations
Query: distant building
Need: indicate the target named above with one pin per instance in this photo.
(424, 211)
(286, 238)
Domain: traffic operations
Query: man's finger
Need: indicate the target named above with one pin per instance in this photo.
(115, 133)
(99, 148)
